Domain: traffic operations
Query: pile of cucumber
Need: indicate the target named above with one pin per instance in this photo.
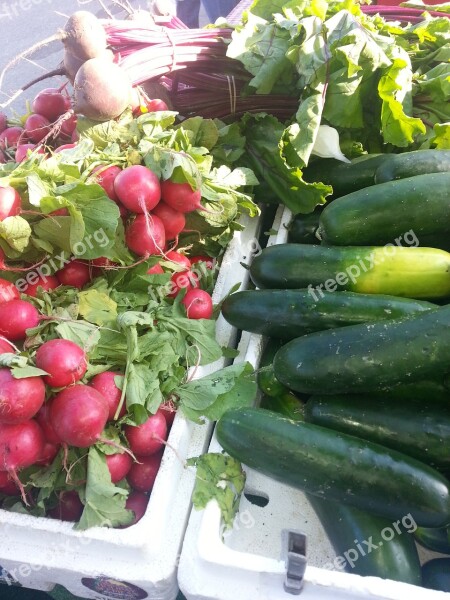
(356, 370)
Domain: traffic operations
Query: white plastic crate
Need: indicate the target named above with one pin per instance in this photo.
(247, 562)
(140, 561)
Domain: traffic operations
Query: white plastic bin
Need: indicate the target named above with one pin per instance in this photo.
(140, 561)
(247, 562)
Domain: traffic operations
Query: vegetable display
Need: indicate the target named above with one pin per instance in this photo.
(120, 191)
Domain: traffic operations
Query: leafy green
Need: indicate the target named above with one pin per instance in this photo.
(211, 396)
(221, 478)
(104, 501)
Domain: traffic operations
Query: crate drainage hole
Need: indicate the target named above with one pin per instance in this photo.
(258, 499)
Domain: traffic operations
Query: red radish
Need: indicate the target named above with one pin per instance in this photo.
(149, 437)
(68, 126)
(50, 103)
(6, 347)
(174, 220)
(63, 360)
(76, 274)
(37, 127)
(209, 262)
(10, 488)
(4, 479)
(64, 147)
(20, 399)
(106, 177)
(169, 411)
(75, 136)
(123, 211)
(156, 104)
(8, 291)
(155, 270)
(78, 415)
(105, 384)
(10, 202)
(178, 258)
(103, 263)
(136, 102)
(137, 187)
(198, 303)
(11, 136)
(21, 446)
(97, 264)
(16, 316)
(101, 74)
(68, 508)
(3, 122)
(180, 196)
(143, 473)
(43, 418)
(145, 235)
(182, 280)
(60, 212)
(2, 158)
(118, 465)
(136, 502)
(47, 283)
(48, 454)
(22, 151)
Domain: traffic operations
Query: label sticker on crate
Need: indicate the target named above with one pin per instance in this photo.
(113, 589)
(6, 577)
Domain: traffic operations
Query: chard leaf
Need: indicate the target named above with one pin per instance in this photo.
(263, 137)
(263, 52)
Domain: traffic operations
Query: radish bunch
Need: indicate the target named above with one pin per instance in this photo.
(41, 414)
(51, 122)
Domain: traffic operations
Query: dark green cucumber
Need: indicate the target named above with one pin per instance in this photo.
(369, 357)
(437, 540)
(436, 241)
(287, 314)
(276, 396)
(265, 377)
(397, 271)
(436, 574)
(424, 390)
(395, 212)
(336, 466)
(345, 177)
(419, 429)
(287, 405)
(302, 229)
(410, 164)
(356, 537)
